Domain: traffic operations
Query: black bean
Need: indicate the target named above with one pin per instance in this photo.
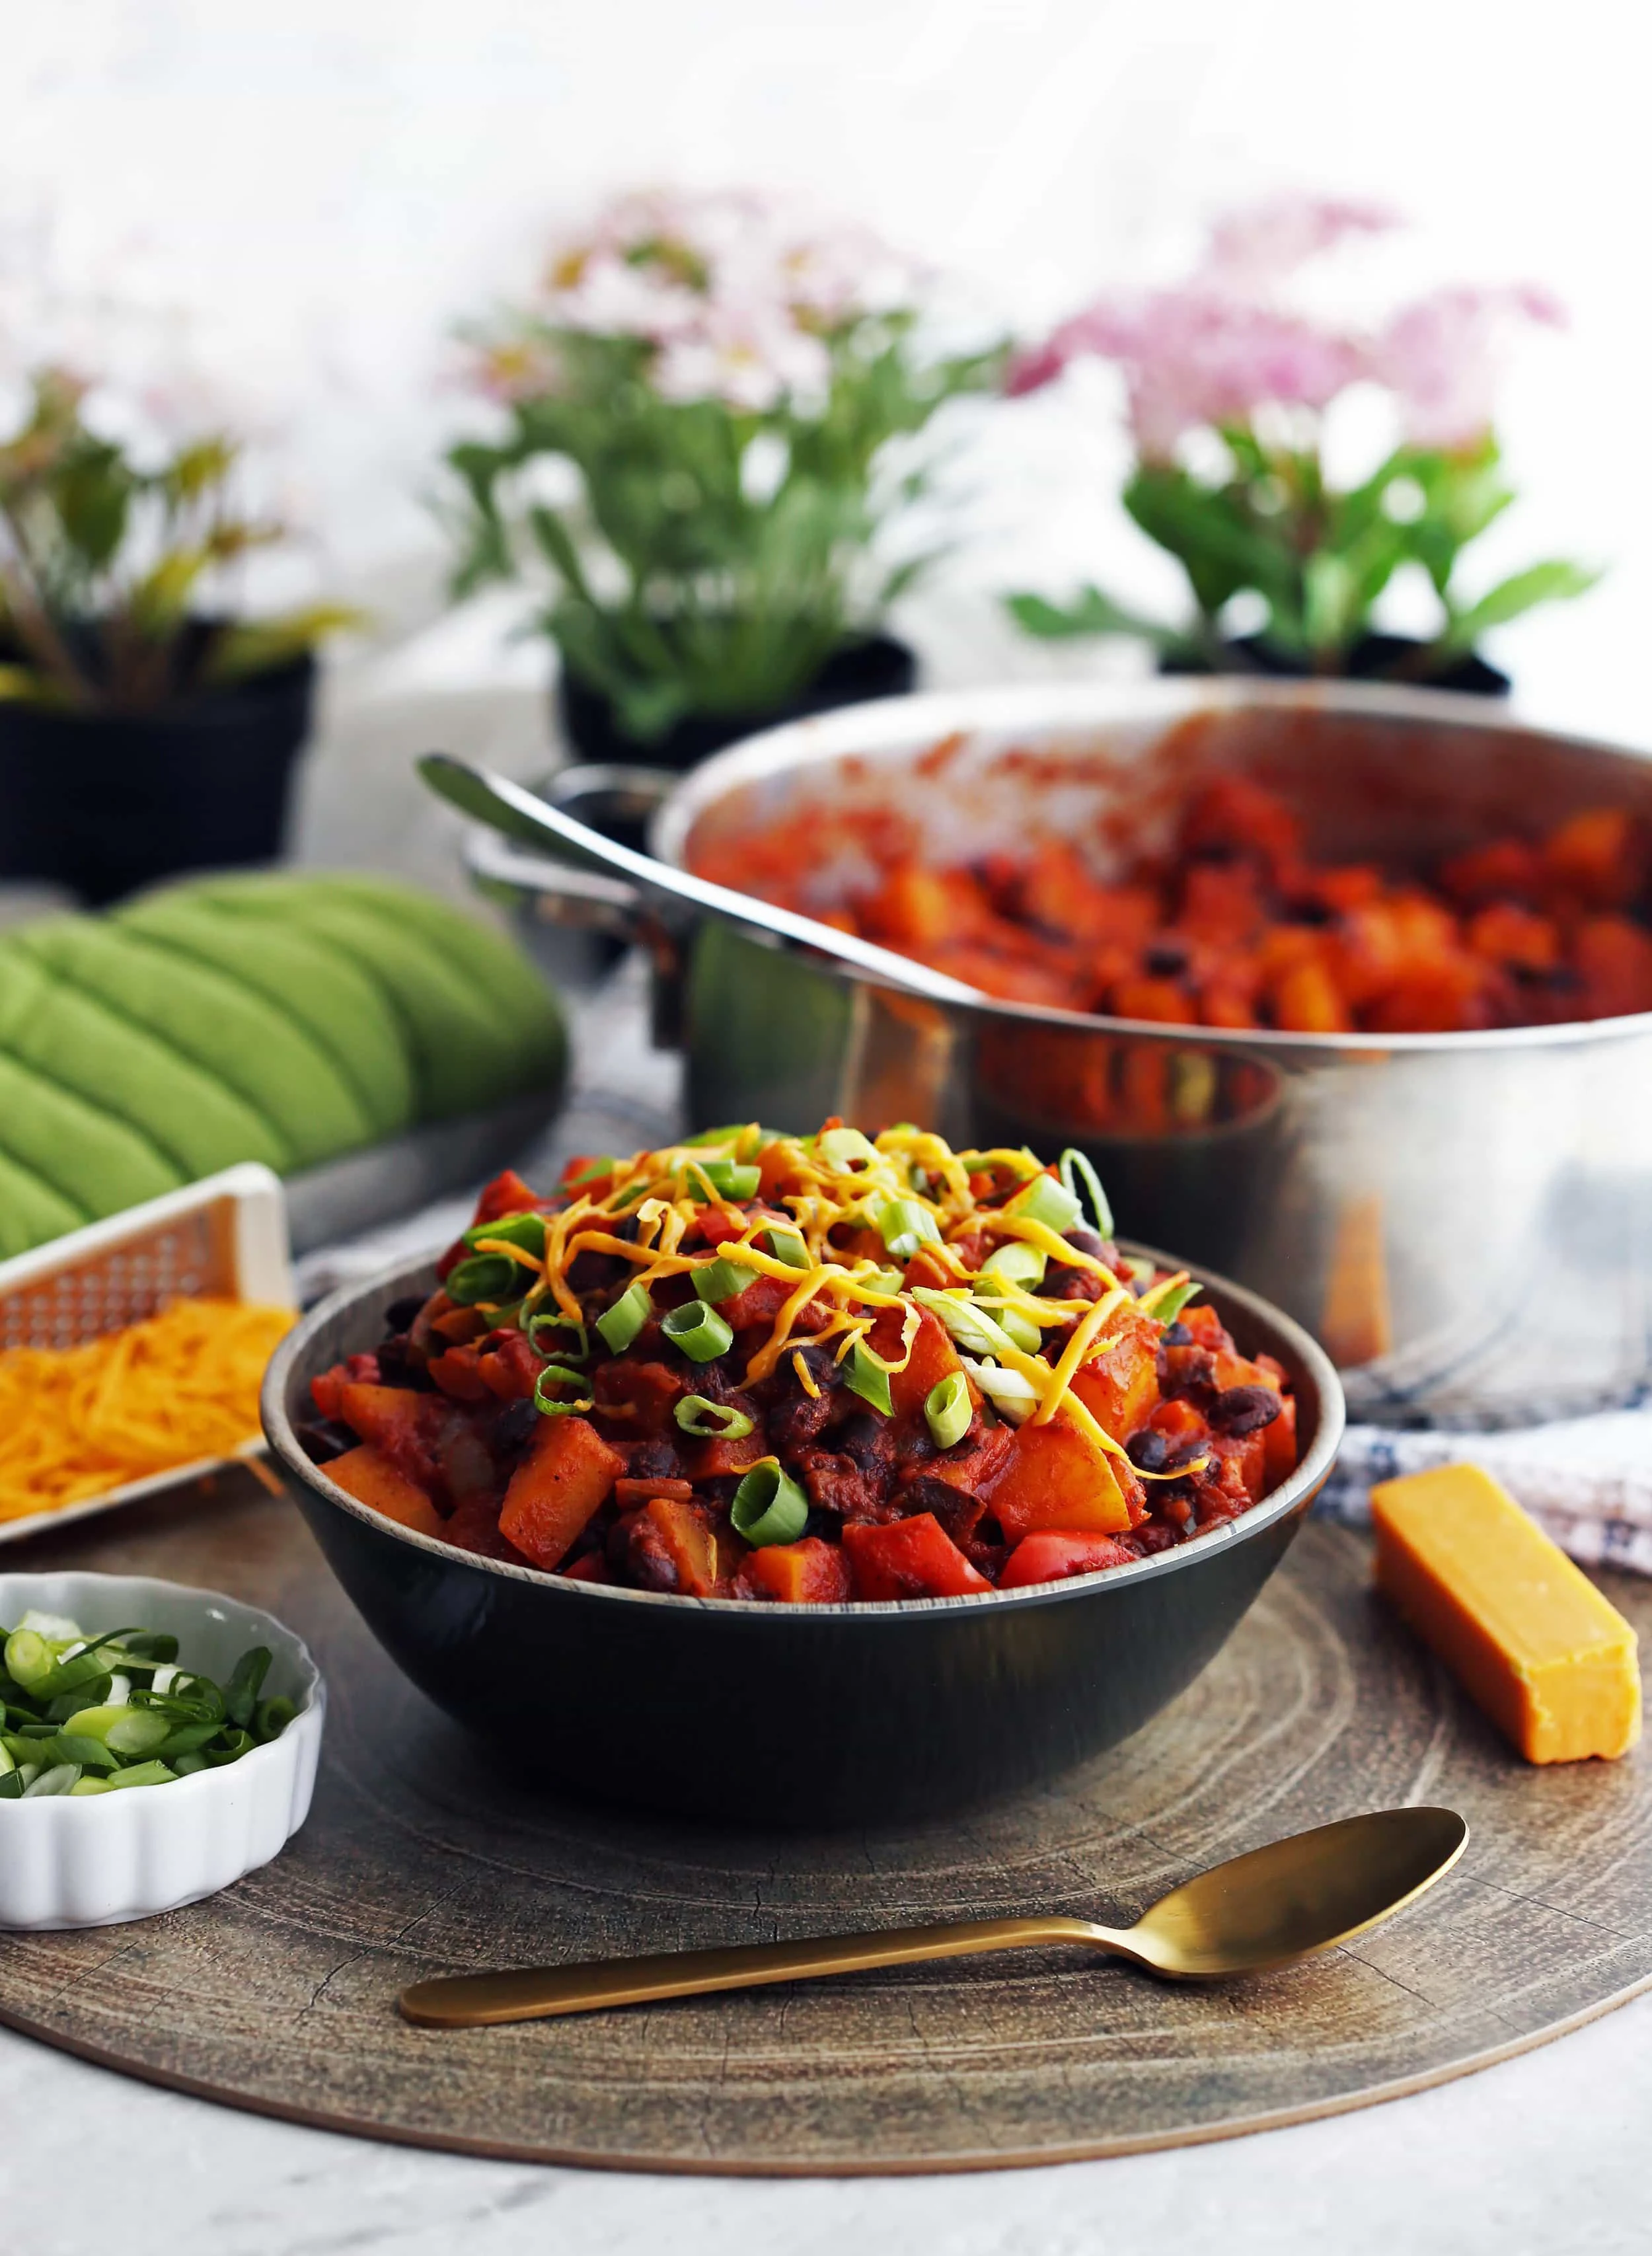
(1244, 1409)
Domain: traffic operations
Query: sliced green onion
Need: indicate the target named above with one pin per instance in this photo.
(480, 1277)
(1076, 1169)
(527, 1230)
(721, 1279)
(698, 1330)
(29, 1659)
(591, 1171)
(246, 1680)
(1019, 1329)
(1022, 1263)
(61, 1778)
(715, 1136)
(620, 1324)
(786, 1246)
(971, 1327)
(729, 1178)
(89, 1785)
(868, 1378)
(904, 1225)
(1012, 1394)
(1045, 1200)
(1166, 1310)
(272, 1717)
(711, 1421)
(577, 1349)
(768, 1506)
(155, 1773)
(843, 1149)
(884, 1281)
(551, 1406)
(948, 1410)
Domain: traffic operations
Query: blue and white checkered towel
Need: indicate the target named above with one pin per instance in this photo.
(1587, 1481)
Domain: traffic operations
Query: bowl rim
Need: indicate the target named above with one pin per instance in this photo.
(1295, 1493)
(887, 726)
(311, 1705)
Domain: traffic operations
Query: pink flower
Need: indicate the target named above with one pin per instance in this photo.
(1440, 355)
(1251, 249)
(1196, 357)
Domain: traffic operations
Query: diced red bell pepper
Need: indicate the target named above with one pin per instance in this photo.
(1056, 1475)
(911, 1558)
(458, 1373)
(1053, 1554)
(807, 1574)
(511, 1367)
(507, 1194)
(566, 1476)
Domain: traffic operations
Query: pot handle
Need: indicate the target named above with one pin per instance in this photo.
(598, 915)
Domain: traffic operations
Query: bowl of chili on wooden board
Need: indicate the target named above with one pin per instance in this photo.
(802, 1480)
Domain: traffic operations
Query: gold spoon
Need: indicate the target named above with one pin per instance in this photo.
(1296, 1896)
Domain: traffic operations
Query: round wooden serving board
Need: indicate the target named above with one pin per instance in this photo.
(422, 1856)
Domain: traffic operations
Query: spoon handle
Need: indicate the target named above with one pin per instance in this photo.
(478, 2000)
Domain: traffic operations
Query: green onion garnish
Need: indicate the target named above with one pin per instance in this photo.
(1076, 1169)
(1021, 1263)
(590, 1173)
(1167, 1309)
(786, 1246)
(971, 1327)
(729, 1178)
(699, 1331)
(1020, 1331)
(620, 1324)
(62, 1732)
(948, 1410)
(480, 1277)
(1045, 1200)
(904, 1225)
(577, 1349)
(714, 1136)
(768, 1506)
(560, 1374)
(711, 1421)
(843, 1149)
(527, 1230)
(721, 1279)
(868, 1378)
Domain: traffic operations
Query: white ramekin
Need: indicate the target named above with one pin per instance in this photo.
(91, 1860)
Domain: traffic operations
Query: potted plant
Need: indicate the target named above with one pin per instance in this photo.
(1231, 391)
(717, 383)
(143, 730)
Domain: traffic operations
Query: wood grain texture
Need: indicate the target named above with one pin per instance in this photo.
(423, 1857)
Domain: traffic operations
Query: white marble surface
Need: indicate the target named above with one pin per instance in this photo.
(1542, 2156)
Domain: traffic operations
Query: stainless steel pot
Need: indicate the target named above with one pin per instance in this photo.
(1466, 1220)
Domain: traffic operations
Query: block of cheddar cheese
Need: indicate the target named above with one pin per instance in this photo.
(1548, 1659)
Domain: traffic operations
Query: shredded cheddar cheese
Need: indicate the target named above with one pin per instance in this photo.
(178, 1387)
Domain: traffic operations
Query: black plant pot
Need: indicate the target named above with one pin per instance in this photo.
(106, 802)
(878, 665)
(1373, 658)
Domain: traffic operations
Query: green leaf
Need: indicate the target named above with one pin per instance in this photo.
(1554, 582)
(254, 646)
(1090, 613)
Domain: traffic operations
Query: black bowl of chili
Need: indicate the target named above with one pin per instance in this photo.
(630, 1672)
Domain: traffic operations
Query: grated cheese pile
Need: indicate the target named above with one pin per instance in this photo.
(178, 1387)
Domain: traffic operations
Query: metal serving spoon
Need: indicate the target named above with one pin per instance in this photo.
(519, 813)
(1284, 1902)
